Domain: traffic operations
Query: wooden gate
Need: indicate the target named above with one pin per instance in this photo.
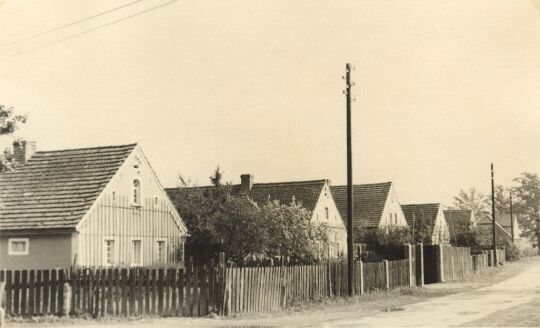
(430, 264)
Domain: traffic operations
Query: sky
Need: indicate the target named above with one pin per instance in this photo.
(442, 88)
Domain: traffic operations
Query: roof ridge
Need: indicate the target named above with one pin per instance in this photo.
(87, 148)
(288, 183)
(420, 204)
(366, 184)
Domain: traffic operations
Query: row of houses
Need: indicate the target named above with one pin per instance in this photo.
(105, 206)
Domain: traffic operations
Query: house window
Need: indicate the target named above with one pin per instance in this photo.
(161, 251)
(390, 219)
(136, 252)
(109, 252)
(136, 192)
(395, 217)
(156, 201)
(18, 246)
(114, 196)
(326, 214)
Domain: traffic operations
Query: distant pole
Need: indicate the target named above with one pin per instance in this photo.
(493, 216)
(511, 217)
(350, 258)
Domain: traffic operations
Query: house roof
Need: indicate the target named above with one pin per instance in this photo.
(368, 202)
(55, 189)
(305, 193)
(486, 225)
(458, 221)
(503, 219)
(415, 213)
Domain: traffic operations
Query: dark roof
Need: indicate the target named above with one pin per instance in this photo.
(55, 189)
(415, 213)
(368, 202)
(305, 193)
(503, 219)
(458, 221)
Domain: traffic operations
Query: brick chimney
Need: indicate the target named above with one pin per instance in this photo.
(22, 151)
(246, 183)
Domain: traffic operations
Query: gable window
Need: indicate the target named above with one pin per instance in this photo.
(326, 214)
(136, 252)
(136, 192)
(18, 246)
(390, 222)
(109, 252)
(161, 251)
(395, 217)
(156, 201)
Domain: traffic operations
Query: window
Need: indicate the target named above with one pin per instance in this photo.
(156, 201)
(395, 217)
(18, 246)
(114, 196)
(136, 252)
(109, 251)
(390, 222)
(136, 192)
(326, 214)
(161, 251)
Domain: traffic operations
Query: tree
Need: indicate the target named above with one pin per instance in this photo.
(502, 200)
(473, 200)
(421, 229)
(9, 122)
(293, 233)
(527, 198)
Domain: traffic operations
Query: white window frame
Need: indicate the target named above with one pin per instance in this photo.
(140, 262)
(104, 251)
(139, 192)
(164, 240)
(14, 240)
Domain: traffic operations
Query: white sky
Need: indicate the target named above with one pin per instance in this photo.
(442, 88)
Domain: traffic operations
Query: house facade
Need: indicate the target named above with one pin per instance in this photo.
(101, 206)
(428, 219)
(375, 206)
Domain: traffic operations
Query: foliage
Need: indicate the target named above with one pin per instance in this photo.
(421, 229)
(218, 219)
(513, 252)
(474, 200)
(9, 121)
(387, 236)
(293, 233)
(527, 195)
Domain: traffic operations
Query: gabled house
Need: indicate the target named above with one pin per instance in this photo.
(485, 227)
(429, 219)
(460, 222)
(375, 205)
(101, 206)
(315, 196)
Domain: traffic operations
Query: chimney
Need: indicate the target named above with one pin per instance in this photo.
(246, 183)
(22, 151)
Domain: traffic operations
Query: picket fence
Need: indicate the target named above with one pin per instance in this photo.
(458, 263)
(266, 289)
(114, 291)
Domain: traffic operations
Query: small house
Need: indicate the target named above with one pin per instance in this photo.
(375, 206)
(427, 219)
(101, 206)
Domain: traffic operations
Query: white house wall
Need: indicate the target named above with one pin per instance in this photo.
(393, 208)
(114, 216)
(338, 231)
(441, 233)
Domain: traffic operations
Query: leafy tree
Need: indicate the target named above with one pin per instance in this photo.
(502, 200)
(527, 196)
(293, 233)
(474, 200)
(387, 236)
(421, 230)
(9, 122)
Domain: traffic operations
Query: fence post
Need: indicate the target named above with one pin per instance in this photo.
(2, 311)
(420, 265)
(440, 263)
(361, 277)
(409, 256)
(387, 274)
(66, 306)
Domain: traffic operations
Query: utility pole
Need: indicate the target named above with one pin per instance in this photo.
(511, 216)
(493, 217)
(350, 255)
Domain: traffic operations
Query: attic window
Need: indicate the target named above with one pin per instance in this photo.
(136, 192)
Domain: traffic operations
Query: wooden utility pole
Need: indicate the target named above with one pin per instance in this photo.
(511, 217)
(350, 255)
(493, 217)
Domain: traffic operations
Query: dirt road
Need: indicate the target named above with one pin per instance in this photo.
(445, 311)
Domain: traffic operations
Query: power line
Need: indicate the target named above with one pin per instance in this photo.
(33, 36)
(72, 36)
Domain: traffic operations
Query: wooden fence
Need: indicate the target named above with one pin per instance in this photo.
(113, 291)
(266, 289)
